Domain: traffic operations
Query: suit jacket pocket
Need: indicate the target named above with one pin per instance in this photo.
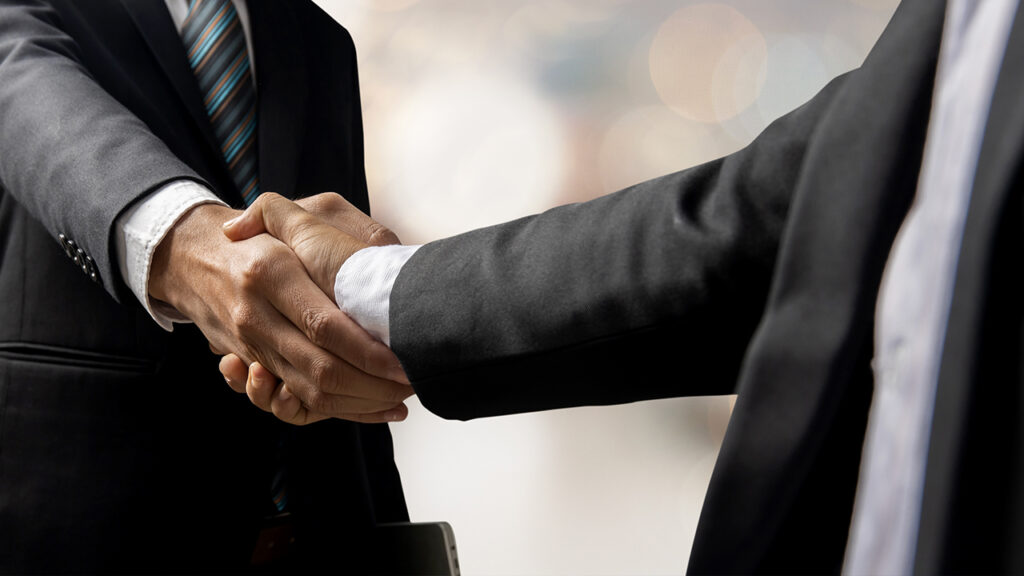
(97, 457)
(74, 358)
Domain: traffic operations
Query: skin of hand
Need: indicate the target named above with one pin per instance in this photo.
(322, 246)
(254, 298)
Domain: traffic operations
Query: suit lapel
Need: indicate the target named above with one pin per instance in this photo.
(282, 88)
(163, 39)
(995, 179)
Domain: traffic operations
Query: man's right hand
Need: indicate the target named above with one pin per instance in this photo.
(254, 298)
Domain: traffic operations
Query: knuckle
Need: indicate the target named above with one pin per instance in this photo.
(268, 198)
(325, 375)
(255, 269)
(323, 201)
(260, 202)
(333, 202)
(243, 316)
(318, 325)
(379, 235)
(318, 401)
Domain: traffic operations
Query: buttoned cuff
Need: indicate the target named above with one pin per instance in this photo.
(363, 286)
(141, 229)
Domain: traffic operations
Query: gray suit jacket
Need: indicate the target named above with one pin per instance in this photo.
(758, 274)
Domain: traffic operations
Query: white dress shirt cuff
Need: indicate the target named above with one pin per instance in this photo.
(140, 230)
(363, 286)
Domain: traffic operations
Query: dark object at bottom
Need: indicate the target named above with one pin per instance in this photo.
(414, 549)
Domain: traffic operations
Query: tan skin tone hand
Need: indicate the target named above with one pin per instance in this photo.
(322, 247)
(253, 297)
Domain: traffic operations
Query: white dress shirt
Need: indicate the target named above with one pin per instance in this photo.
(917, 290)
(141, 227)
(914, 299)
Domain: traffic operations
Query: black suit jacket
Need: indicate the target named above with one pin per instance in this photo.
(120, 445)
(759, 274)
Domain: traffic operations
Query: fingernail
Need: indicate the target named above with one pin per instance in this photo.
(231, 222)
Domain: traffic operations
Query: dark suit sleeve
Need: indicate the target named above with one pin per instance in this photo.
(651, 292)
(69, 152)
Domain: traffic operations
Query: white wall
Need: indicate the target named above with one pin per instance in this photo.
(479, 111)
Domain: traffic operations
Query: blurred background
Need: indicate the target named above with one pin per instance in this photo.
(480, 111)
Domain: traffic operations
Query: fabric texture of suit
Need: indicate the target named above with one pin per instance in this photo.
(758, 274)
(121, 447)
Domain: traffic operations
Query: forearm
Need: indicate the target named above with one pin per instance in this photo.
(594, 303)
(140, 231)
(69, 152)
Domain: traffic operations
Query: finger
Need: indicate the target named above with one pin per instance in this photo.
(310, 310)
(327, 327)
(319, 248)
(323, 382)
(261, 386)
(396, 414)
(340, 213)
(246, 225)
(271, 213)
(289, 408)
(217, 351)
(280, 297)
(235, 372)
(329, 385)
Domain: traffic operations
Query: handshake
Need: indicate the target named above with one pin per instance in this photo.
(260, 286)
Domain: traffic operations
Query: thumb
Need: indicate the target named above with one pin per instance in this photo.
(270, 213)
(321, 248)
(334, 210)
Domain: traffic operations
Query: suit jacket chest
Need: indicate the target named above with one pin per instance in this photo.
(782, 493)
(136, 54)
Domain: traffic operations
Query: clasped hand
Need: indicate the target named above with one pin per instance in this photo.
(267, 300)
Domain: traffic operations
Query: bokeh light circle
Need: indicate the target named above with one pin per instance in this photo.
(707, 62)
(651, 141)
(471, 150)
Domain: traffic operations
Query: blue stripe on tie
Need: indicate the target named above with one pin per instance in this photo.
(212, 38)
(218, 20)
(232, 117)
(209, 42)
(241, 140)
(246, 166)
(231, 141)
(230, 122)
(228, 87)
(224, 84)
(251, 196)
(221, 59)
(191, 31)
(208, 14)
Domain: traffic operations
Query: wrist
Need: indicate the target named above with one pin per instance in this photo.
(190, 237)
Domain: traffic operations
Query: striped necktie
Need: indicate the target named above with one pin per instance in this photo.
(216, 51)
